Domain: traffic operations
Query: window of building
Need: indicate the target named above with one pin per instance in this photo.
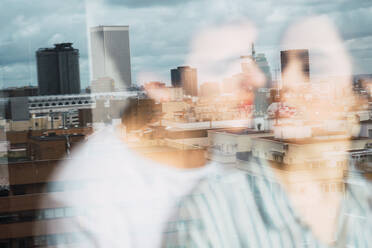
(69, 212)
(332, 187)
(52, 240)
(40, 241)
(59, 212)
(4, 244)
(27, 216)
(55, 186)
(326, 187)
(49, 213)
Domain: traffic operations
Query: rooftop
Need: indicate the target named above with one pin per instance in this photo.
(54, 137)
(314, 140)
(110, 28)
(176, 126)
(240, 131)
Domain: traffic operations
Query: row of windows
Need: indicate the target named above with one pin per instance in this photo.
(45, 240)
(333, 187)
(40, 214)
(279, 158)
(34, 105)
(23, 189)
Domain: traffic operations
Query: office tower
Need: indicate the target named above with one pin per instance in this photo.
(246, 60)
(261, 62)
(185, 77)
(110, 54)
(58, 70)
(263, 65)
(298, 59)
(100, 85)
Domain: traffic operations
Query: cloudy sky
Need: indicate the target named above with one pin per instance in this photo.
(165, 33)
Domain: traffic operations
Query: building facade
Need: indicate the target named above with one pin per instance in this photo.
(58, 70)
(297, 58)
(185, 77)
(110, 54)
(264, 66)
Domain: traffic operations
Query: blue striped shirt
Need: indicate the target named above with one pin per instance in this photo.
(239, 210)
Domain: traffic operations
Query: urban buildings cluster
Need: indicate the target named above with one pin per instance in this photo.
(217, 120)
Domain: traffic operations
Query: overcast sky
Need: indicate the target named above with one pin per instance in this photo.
(163, 33)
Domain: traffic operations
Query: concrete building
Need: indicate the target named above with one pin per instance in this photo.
(171, 109)
(175, 93)
(263, 65)
(297, 59)
(224, 144)
(110, 54)
(26, 208)
(19, 91)
(366, 129)
(210, 89)
(100, 85)
(58, 70)
(19, 108)
(261, 62)
(185, 77)
(139, 112)
(51, 146)
(261, 101)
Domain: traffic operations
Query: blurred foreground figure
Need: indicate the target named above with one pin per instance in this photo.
(277, 205)
(128, 187)
(125, 195)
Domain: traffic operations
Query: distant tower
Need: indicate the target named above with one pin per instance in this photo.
(298, 58)
(253, 52)
(110, 54)
(185, 77)
(262, 63)
(58, 70)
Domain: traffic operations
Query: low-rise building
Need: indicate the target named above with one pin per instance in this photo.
(224, 144)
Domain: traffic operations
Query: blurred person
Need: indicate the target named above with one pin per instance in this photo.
(124, 194)
(265, 208)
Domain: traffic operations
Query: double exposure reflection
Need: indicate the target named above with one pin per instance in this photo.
(185, 124)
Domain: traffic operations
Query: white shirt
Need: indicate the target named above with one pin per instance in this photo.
(127, 199)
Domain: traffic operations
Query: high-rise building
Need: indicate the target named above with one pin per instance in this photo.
(262, 63)
(299, 59)
(105, 84)
(185, 77)
(110, 54)
(58, 70)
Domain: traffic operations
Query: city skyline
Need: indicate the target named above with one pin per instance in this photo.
(23, 35)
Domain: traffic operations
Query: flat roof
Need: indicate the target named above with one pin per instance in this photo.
(110, 28)
(311, 140)
(366, 121)
(188, 126)
(241, 131)
(55, 137)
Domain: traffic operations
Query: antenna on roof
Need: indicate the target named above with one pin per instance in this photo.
(253, 52)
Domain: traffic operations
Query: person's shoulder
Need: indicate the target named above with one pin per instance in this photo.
(222, 179)
(359, 194)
